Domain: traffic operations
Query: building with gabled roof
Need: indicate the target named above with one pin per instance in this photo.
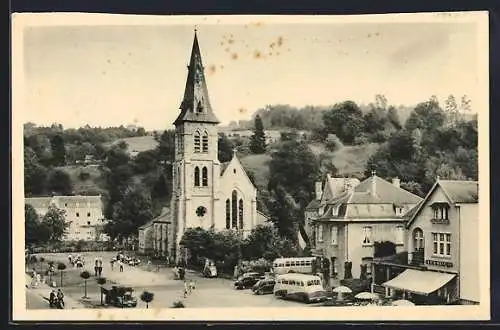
(351, 216)
(83, 213)
(441, 264)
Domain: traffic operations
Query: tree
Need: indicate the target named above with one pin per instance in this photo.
(345, 120)
(55, 220)
(295, 168)
(60, 182)
(393, 117)
(85, 275)
(265, 241)
(333, 143)
(61, 267)
(129, 214)
(146, 161)
(31, 225)
(465, 104)
(147, 297)
(101, 281)
(451, 109)
(427, 116)
(258, 139)
(35, 175)
(225, 148)
(58, 150)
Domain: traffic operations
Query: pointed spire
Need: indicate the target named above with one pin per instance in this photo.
(235, 150)
(195, 105)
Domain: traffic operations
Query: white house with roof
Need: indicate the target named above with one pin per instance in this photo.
(352, 216)
(83, 213)
(442, 244)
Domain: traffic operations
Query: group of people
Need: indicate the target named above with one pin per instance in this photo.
(56, 298)
(98, 266)
(78, 261)
(119, 259)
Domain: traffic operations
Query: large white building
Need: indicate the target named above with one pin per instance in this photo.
(205, 192)
(83, 213)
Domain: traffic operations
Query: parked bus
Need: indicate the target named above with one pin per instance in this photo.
(301, 287)
(293, 265)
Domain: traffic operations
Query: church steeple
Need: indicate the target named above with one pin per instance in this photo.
(195, 106)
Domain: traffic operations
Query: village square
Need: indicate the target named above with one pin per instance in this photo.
(346, 205)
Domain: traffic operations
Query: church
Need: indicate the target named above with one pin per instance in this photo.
(205, 193)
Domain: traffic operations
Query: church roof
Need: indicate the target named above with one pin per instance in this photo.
(195, 106)
(223, 167)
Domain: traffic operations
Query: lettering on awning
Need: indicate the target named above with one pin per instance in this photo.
(439, 263)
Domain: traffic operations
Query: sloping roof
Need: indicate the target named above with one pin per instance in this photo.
(82, 200)
(313, 205)
(164, 215)
(38, 202)
(223, 167)
(461, 191)
(196, 92)
(457, 191)
(146, 225)
(385, 193)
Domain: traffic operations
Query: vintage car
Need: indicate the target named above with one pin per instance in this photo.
(247, 280)
(120, 296)
(264, 286)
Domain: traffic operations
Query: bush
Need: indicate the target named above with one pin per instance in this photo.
(356, 285)
(33, 259)
(42, 259)
(83, 176)
(178, 304)
(333, 143)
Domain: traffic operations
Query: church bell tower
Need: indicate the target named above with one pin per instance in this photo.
(196, 168)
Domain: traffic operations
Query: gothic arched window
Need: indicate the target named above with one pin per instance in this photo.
(234, 209)
(197, 142)
(204, 141)
(196, 176)
(228, 213)
(204, 177)
(240, 213)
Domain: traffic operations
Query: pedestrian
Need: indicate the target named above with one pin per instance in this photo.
(99, 269)
(70, 258)
(121, 266)
(186, 288)
(96, 266)
(60, 297)
(112, 262)
(149, 264)
(191, 286)
(52, 298)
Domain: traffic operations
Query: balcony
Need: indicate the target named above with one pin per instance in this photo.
(437, 221)
(403, 259)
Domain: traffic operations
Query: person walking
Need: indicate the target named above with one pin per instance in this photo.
(121, 266)
(52, 298)
(186, 288)
(99, 266)
(60, 297)
(112, 262)
(96, 266)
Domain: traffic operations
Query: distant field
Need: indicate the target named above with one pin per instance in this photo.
(353, 159)
(139, 143)
(258, 164)
(93, 185)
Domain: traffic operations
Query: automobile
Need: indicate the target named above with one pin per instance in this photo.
(264, 286)
(134, 262)
(247, 280)
(120, 296)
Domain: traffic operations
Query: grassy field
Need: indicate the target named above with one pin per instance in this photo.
(258, 164)
(351, 160)
(94, 184)
(139, 143)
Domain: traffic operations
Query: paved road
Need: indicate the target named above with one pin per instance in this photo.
(35, 301)
(216, 292)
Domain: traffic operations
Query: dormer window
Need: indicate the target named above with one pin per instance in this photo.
(335, 210)
(440, 211)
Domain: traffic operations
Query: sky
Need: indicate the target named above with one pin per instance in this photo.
(109, 75)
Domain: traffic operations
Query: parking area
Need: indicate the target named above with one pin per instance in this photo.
(209, 292)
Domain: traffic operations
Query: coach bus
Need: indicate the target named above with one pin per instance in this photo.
(303, 265)
(301, 287)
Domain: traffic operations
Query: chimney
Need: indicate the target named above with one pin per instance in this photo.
(396, 182)
(374, 185)
(319, 190)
